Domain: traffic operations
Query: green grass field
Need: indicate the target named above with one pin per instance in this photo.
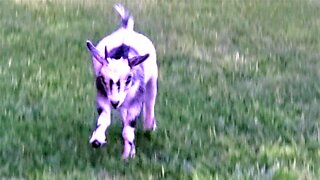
(239, 90)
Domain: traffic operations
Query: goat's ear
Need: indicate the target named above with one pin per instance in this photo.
(137, 60)
(95, 53)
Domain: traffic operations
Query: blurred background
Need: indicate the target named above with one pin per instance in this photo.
(238, 93)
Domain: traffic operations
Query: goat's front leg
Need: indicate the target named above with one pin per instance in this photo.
(128, 131)
(98, 137)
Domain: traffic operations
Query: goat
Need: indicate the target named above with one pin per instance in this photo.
(126, 74)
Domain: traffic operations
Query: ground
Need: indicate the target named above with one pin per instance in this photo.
(238, 93)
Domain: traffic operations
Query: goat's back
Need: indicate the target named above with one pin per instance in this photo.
(139, 44)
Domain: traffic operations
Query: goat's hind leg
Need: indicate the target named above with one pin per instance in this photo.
(149, 120)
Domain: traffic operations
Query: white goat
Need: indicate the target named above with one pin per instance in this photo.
(126, 75)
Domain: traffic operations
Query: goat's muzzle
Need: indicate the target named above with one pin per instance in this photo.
(115, 104)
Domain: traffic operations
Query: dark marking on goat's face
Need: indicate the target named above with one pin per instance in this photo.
(101, 85)
(111, 84)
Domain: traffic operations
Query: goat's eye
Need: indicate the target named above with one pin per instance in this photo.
(118, 85)
(128, 80)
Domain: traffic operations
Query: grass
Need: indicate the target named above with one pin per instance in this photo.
(238, 94)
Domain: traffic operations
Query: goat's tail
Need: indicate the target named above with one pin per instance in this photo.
(127, 21)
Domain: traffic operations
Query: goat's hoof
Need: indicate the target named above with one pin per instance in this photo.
(125, 157)
(132, 153)
(128, 156)
(96, 144)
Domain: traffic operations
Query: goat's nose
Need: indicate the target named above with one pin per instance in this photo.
(115, 104)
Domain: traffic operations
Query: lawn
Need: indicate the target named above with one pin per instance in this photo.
(239, 90)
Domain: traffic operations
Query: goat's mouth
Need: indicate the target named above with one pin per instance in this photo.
(115, 104)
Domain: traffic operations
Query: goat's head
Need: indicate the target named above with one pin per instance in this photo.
(115, 74)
